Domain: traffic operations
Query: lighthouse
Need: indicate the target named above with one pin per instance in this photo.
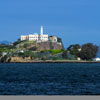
(41, 30)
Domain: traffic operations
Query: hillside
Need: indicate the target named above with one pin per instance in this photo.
(26, 51)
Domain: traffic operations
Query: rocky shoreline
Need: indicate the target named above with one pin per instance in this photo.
(55, 61)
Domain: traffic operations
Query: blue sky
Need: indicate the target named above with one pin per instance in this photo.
(75, 21)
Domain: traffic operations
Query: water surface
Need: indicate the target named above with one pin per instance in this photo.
(50, 79)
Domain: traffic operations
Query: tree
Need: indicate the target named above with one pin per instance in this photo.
(88, 51)
(74, 49)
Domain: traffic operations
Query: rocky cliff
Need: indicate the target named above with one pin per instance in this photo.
(49, 45)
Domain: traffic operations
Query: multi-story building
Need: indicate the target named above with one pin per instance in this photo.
(35, 37)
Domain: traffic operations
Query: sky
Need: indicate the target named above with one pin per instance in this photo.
(75, 21)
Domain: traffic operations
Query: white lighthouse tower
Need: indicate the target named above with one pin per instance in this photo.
(41, 30)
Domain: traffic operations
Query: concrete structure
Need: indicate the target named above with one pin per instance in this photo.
(53, 38)
(35, 37)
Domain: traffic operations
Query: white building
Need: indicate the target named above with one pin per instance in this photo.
(35, 37)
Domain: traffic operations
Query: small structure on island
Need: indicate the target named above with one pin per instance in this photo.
(35, 37)
(79, 59)
(53, 38)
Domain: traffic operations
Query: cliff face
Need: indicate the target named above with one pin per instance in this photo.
(49, 45)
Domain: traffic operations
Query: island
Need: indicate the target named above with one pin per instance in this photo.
(44, 48)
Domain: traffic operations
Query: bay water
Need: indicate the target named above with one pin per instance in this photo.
(50, 79)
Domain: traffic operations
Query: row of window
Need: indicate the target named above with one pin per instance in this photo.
(34, 37)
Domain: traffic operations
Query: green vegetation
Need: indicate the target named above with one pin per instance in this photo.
(55, 51)
(27, 54)
(74, 49)
(85, 52)
(5, 49)
(88, 51)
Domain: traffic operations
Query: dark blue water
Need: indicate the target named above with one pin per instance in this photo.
(50, 79)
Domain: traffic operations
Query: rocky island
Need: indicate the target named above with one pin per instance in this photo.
(44, 48)
(26, 51)
(34, 47)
